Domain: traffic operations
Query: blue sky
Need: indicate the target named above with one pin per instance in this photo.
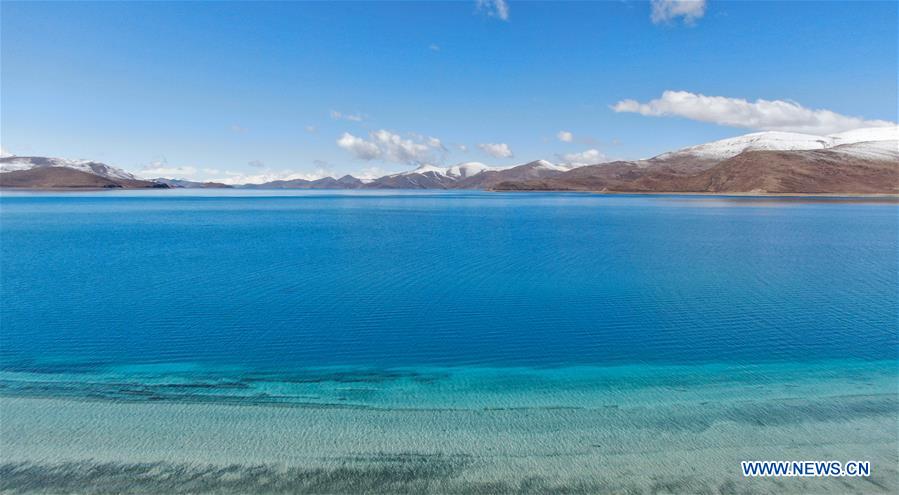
(240, 90)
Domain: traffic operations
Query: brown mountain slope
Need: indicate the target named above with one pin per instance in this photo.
(62, 177)
(536, 170)
(426, 180)
(797, 172)
(817, 171)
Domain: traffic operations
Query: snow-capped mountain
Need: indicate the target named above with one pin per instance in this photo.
(40, 172)
(781, 141)
(538, 169)
(465, 170)
(423, 169)
(14, 163)
(460, 171)
(467, 175)
(769, 140)
(547, 165)
(470, 169)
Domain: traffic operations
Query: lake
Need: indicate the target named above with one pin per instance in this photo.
(450, 342)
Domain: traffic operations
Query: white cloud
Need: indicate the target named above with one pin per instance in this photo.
(496, 150)
(463, 148)
(353, 117)
(238, 129)
(434, 47)
(4, 153)
(769, 115)
(311, 129)
(494, 8)
(397, 149)
(565, 136)
(362, 149)
(383, 144)
(669, 10)
(588, 157)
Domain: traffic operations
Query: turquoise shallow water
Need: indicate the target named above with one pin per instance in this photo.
(630, 429)
(443, 342)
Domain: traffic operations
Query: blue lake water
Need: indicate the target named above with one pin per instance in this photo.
(675, 310)
(444, 279)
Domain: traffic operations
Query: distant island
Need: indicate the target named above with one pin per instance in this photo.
(863, 161)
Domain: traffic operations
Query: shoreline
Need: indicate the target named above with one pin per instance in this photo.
(749, 194)
(893, 197)
(690, 443)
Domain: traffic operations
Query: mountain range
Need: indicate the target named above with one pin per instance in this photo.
(37, 172)
(862, 161)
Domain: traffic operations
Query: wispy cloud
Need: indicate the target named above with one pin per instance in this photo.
(669, 10)
(235, 128)
(256, 163)
(414, 149)
(353, 117)
(565, 136)
(434, 143)
(369, 173)
(496, 150)
(434, 47)
(162, 169)
(311, 129)
(769, 115)
(494, 8)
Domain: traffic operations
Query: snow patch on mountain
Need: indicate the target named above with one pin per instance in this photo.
(870, 150)
(869, 134)
(727, 148)
(460, 171)
(424, 169)
(548, 165)
(785, 141)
